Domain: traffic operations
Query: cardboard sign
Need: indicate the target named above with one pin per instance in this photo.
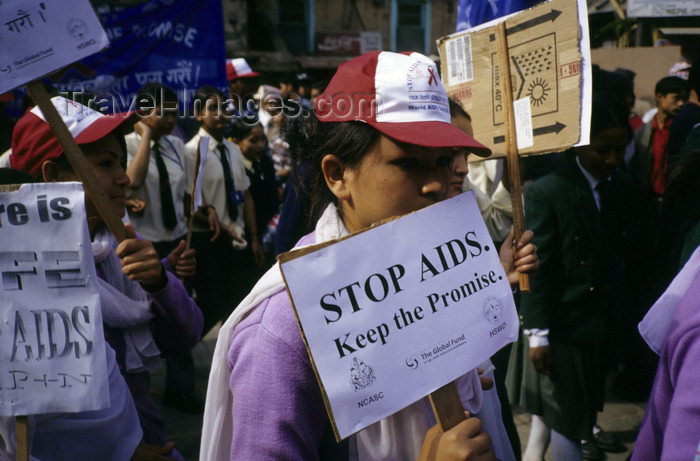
(391, 314)
(52, 352)
(545, 49)
(39, 37)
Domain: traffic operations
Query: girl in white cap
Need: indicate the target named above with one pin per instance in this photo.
(373, 153)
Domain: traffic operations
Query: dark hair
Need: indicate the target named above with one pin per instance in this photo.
(12, 176)
(694, 77)
(241, 128)
(310, 140)
(670, 85)
(627, 73)
(203, 94)
(682, 194)
(289, 78)
(611, 82)
(155, 93)
(609, 112)
(319, 85)
(457, 109)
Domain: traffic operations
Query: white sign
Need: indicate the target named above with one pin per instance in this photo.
(39, 37)
(660, 8)
(523, 122)
(393, 313)
(52, 352)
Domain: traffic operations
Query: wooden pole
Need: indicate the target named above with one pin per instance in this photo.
(77, 160)
(22, 434)
(447, 406)
(512, 158)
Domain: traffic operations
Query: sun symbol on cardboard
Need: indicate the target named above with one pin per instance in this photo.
(538, 90)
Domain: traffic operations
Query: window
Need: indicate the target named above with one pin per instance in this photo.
(295, 24)
(411, 25)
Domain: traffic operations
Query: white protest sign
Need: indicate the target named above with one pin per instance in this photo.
(52, 352)
(39, 37)
(391, 314)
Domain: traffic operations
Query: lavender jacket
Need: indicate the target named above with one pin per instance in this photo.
(282, 415)
(671, 426)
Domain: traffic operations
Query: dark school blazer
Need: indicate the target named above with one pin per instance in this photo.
(581, 264)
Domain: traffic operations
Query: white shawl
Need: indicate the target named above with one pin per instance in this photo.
(125, 305)
(655, 326)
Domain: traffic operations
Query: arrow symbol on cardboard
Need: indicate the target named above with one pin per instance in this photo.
(551, 16)
(555, 128)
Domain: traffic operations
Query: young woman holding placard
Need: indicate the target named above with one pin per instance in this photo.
(145, 308)
(369, 160)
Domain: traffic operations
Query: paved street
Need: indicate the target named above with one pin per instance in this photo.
(620, 418)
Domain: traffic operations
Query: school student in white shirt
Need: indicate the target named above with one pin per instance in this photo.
(156, 168)
(225, 233)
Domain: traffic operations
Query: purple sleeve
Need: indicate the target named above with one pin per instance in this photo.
(682, 434)
(178, 321)
(278, 411)
(671, 426)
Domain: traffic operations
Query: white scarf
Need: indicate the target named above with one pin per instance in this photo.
(397, 437)
(655, 326)
(125, 305)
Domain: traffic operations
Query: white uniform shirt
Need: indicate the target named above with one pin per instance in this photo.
(484, 178)
(213, 187)
(150, 225)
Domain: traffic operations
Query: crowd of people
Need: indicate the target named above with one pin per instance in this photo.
(610, 226)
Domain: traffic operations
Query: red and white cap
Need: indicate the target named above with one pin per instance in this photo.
(399, 94)
(239, 68)
(33, 142)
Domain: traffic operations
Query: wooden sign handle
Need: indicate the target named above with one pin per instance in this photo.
(77, 160)
(447, 406)
(22, 434)
(512, 157)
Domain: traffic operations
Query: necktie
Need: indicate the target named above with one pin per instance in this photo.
(231, 206)
(604, 188)
(610, 236)
(257, 169)
(167, 206)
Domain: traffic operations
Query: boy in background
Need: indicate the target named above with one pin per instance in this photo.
(648, 165)
(156, 168)
(225, 232)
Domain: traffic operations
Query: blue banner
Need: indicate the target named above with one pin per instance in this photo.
(179, 43)
(471, 13)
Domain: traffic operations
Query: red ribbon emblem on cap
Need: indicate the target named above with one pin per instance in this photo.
(433, 78)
